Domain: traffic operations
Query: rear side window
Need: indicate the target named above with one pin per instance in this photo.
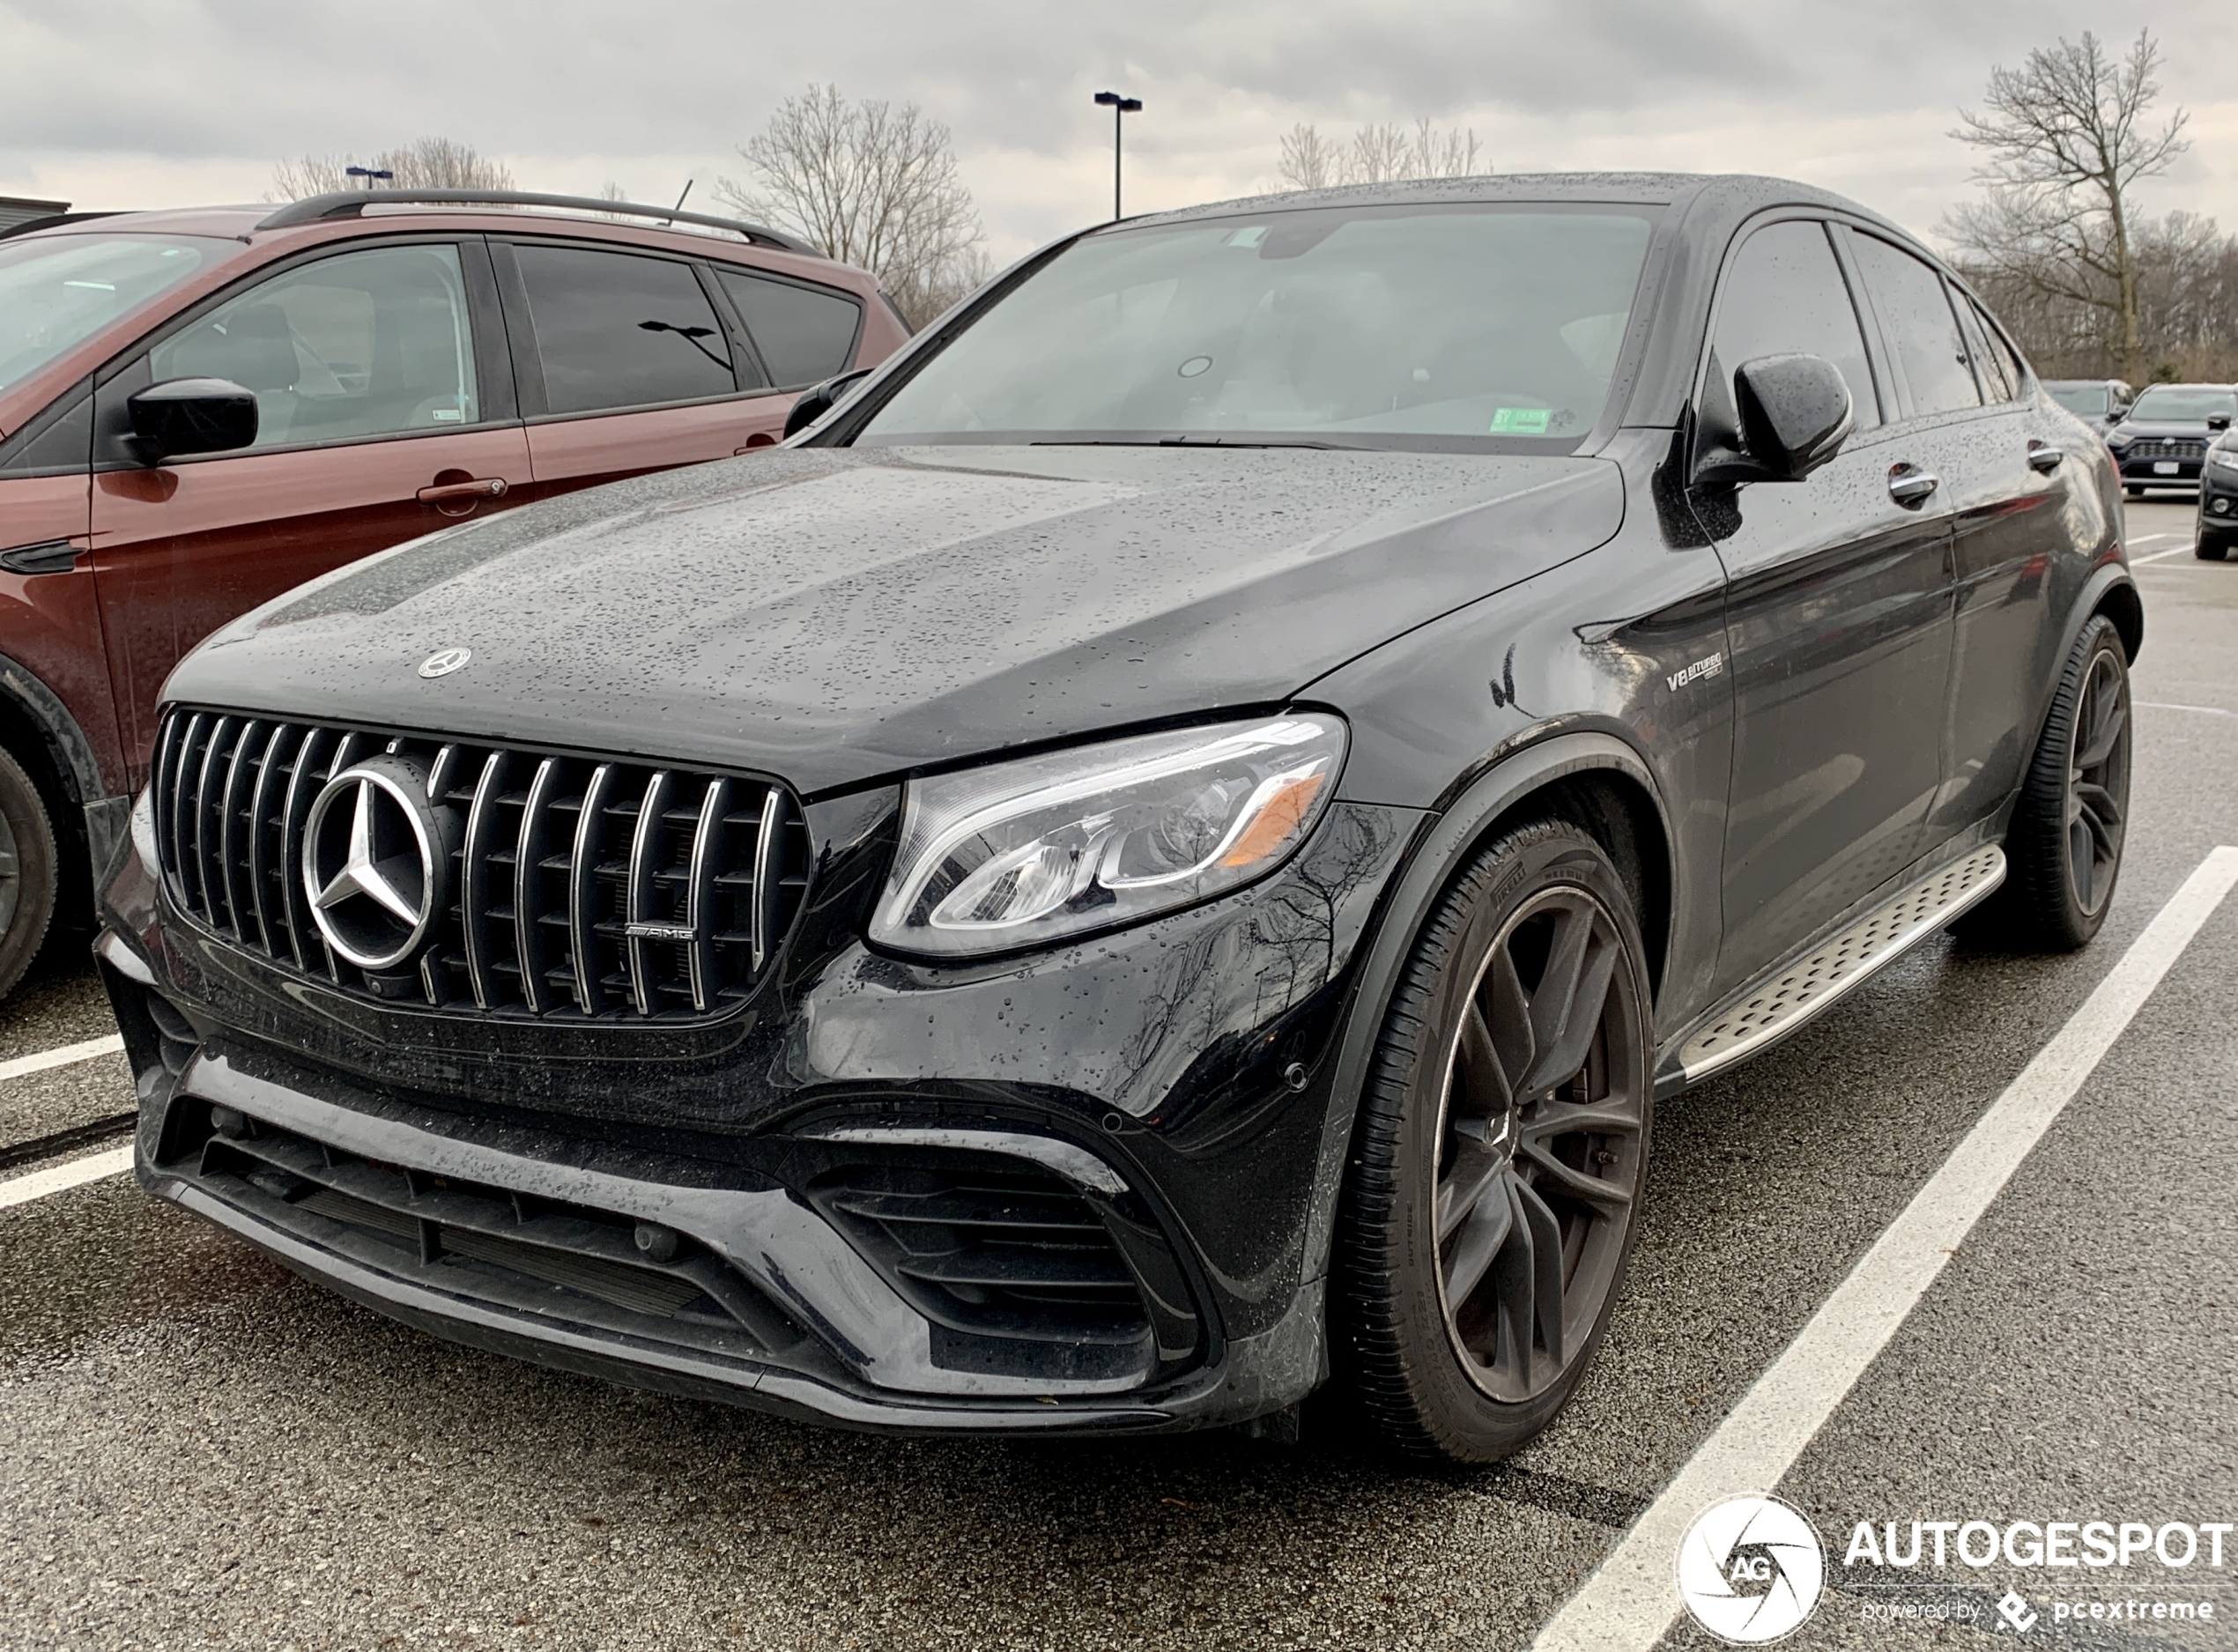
(804, 333)
(613, 330)
(1915, 309)
(363, 344)
(1785, 295)
(1999, 373)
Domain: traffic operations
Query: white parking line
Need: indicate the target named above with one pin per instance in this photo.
(2153, 538)
(2170, 705)
(2161, 556)
(62, 1056)
(61, 1178)
(1632, 1598)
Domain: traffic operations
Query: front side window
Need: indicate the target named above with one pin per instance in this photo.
(2181, 405)
(615, 330)
(1377, 326)
(58, 290)
(1915, 310)
(364, 344)
(1785, 295)
(805, 334)
(1993, 365)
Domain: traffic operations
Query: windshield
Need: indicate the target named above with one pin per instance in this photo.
(2182, 403)
(1377, 326)
(58, 290)
(2088, 399)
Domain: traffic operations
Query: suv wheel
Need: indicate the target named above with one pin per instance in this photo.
(27, 872)
(2210, 547)
(1501, 1151)
(2063, 848)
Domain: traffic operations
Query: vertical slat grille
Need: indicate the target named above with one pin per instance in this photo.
(579, 889)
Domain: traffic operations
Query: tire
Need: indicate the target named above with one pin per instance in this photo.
(1474, 1381)
(28, 880)
(2132, 492)
(2211, 548)
(2074, 809)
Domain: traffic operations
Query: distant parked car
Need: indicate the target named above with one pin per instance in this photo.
(2218, 526)
(200, 408)
(2100, 401)
(2162, 441)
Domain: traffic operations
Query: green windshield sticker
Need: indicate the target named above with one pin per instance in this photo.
(1520, 421)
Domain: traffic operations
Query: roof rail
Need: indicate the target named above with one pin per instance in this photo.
(51, 219)
(351, 202)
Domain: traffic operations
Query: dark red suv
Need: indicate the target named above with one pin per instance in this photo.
(201, 409)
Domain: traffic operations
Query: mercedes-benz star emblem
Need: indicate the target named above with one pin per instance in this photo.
(443, 662)
(376, 856)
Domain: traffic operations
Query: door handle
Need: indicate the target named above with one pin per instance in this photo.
(1909, 486)
(57, 556)
(444, 493)
(2044, 458)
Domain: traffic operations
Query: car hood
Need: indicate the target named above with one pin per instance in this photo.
(2131, 429)
(835, 616)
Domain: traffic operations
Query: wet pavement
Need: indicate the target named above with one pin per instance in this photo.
(202, 1449)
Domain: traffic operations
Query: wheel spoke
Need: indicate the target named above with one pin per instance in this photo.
(1475, 1169)
(1530, 1281)
(1508, 1014)
(2098, 803)
(2103, 736)
(1560, 1118)
(1566, 1041)
(1603, 1196)
(1482, 1074)
(1479, 1242)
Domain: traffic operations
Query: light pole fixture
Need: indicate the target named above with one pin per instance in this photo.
(371, 174)
(1121, 107)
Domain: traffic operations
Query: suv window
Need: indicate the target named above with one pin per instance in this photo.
(363, 344)
(804, 333)
(616, 329)
(1915, 310)
(1785, 294)
(2000, 375)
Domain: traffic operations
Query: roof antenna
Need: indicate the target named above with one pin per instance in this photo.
(678, 207)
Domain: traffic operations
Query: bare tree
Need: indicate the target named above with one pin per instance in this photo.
(1377, 153)
(869, 183)
(425, 163)
(2065, 140)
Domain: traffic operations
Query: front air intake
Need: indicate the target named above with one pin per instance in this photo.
(576, 888)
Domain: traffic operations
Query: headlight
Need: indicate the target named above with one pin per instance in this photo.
(1025, 853)
(2120, 436)
(2223, 459)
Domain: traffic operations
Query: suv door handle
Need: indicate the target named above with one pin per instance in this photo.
(2044, 457)
(1909, 486)
(443, 493)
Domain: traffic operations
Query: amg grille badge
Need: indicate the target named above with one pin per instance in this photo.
(662, 931)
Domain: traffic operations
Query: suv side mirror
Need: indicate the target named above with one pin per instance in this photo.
(182, 416)
(1793, 415)
(819, 399)
(2218, 421)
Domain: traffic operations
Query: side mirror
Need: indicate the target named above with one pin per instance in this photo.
(182, 416)
(1793, 415)
(2218, 421)
(819, 399)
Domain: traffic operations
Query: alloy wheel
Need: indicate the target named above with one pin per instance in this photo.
(1542, 1144)
(2098, 782)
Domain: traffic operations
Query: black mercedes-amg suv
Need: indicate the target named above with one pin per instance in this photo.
(1163, 850)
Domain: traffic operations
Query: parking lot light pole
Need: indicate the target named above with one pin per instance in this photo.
(1121, 107)
(371, 174)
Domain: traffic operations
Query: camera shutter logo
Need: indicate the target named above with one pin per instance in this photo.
(1751, 1569)
(375, 861)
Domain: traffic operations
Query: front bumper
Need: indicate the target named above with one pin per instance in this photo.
(2146, 472)
(1113, 1229)
(2218, 500)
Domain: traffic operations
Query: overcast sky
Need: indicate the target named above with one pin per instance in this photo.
(166, 102)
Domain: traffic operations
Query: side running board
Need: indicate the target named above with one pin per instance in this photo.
(1763, 1014)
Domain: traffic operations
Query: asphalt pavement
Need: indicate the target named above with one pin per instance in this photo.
(197, 1448)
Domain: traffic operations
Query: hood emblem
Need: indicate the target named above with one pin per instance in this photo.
(375, 859)
(443, 662)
